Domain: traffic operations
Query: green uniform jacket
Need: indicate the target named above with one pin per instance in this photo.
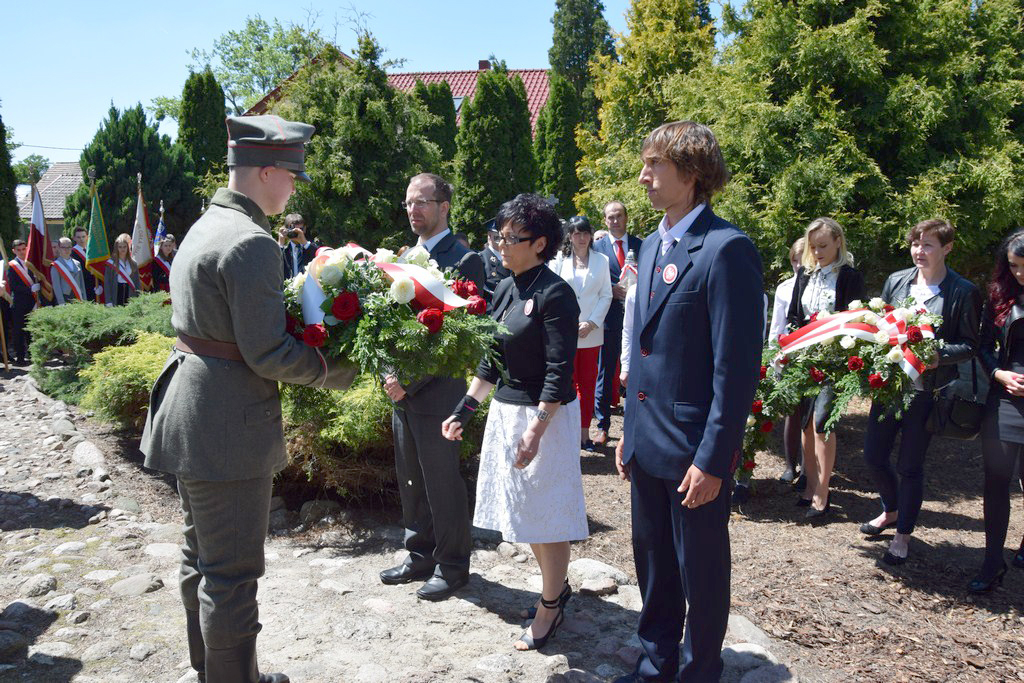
(219, 420)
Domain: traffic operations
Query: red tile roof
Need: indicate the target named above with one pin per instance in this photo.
(59, 181)
(463, 84)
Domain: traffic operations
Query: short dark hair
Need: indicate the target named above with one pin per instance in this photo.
(17, 243)
(692, 147)
(293, 218)
(942, 229)
(442, 188)
(537, 216)
(604, 209)
(576, 224)
(78, 230)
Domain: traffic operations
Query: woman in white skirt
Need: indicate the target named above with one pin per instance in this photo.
(529, 487)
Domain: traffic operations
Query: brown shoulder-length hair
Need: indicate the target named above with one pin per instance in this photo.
(123, 238)
(692, 147)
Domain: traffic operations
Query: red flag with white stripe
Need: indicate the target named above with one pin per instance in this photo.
(142, 241)
(39, 257)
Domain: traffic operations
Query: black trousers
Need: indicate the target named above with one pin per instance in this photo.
(901, 488)
(683, 570)
(607, 365)
(1000, 457)
(20, 337)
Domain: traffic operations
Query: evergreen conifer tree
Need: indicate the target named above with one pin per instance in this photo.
(437, 98)
(580, 34)
(125, 144)
(555, 145)
(494, 160)
(9, 220)
(369, 142)
(201, 129)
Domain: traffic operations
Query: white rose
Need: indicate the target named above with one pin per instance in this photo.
(435, 273)
(881, 337)
(877, 303)
(870, 318)
(384, 256)
(847, 342)
(751, 420)
(330, 275)
(895, 355)
(337, 258)
(295, 284)
(417, 256)
(402, 290)
(855, 304)
(900, 314)
(827, 340)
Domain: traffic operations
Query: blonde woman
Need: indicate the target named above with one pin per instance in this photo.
(121, 275)
(826, 282)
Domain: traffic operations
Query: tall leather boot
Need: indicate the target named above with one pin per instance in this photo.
(237, 665)
(196, 646)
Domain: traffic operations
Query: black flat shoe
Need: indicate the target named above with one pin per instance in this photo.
(869, 529)
(1018, 559)
(800, 482)
(538, 643)
(802, 502)
(588, 445)
(982, 584)
(893, 560)
(404, 573)
(438, 588)
(563, 598)
(813, 514)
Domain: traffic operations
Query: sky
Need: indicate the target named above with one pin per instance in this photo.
(63, 62)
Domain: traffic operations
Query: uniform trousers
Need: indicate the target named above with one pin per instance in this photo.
(683, 570)
(607, 393)
(21, 338)
(584, 376)
(905, 493)
(435, 505)
(222, 557)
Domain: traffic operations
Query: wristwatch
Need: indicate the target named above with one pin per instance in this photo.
(543, 415)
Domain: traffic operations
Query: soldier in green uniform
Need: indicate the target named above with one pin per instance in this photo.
(215, 412)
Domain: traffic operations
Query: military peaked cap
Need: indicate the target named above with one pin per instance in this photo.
(268, 141)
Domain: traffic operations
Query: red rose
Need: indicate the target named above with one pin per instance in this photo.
(855, 363)
(432, 319)
(888, 309)
(471, 288)
(757, 407)
(292, 326)
(817, 375)
(314, 335)
(814, 316)
(464, 288)
(345, 306)
(783, 360)
(764, 372)
(749, 465)
(914, 334)
(876, 381)
(767, 426)
(476, 305)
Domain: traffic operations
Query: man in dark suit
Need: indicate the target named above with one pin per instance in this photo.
(616, 246)
(298, 251)
(693, 371)
(435, 507)
(81, 238)
(25, 298)
(494, 272)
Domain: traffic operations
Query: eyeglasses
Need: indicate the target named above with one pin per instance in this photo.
(419, 203)
(513, 240)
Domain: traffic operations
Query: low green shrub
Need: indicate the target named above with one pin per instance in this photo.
(77, 331)
(119, 379)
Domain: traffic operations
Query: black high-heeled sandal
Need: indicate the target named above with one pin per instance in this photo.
(563, 597)
(980, 584)
(537, 643)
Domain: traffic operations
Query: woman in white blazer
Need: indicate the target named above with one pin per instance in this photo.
(587, 273)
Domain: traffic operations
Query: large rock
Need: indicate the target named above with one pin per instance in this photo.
(63, 428)
(171, 550)
(69, 548)
(44, 653)
(585, 569)
(101, 650)
(37, 585)
(315, 510)
(62, 602)
(743, 630)
(777, 673)
(86, 454)
(139, 584)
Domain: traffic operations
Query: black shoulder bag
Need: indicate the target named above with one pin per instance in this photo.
(954, 416)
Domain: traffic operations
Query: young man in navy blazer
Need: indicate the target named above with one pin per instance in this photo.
(693, 371)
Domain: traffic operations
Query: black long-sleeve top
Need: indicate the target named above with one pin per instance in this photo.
(535, 357)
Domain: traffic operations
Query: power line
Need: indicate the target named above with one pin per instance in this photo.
(67, 149)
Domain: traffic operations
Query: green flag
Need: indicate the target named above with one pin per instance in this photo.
(97, 251)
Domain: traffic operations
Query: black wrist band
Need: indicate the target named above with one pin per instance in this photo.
(465, 410)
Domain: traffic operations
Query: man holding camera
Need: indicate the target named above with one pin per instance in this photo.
(298, 251)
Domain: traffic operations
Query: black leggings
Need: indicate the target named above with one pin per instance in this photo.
(999, 457)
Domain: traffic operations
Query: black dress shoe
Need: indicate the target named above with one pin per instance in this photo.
(869, 529)
(588, 445)
(802, 502)
(813, 514)
(438, 588)
(983, 584)
(893, 560)
(1018, 559)
(405, 573)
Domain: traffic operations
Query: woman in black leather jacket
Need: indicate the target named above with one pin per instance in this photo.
(1002, 356)
(941, 290)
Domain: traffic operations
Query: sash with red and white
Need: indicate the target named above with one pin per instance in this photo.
(80, 251)
(164, 265)
(126, 274)
(22, 273)
(850, 323)
(69, 279)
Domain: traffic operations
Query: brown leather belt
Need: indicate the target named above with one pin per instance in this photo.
(208, 347)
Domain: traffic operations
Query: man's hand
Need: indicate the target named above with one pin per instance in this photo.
(699, 486)
(451, 429)
(623, 376)
(394, 390)
(622, 467)
(619, 291)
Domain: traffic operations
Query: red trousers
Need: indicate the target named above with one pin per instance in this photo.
(584, 376)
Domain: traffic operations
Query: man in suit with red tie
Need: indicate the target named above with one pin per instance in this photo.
(615, 246)
(693, 371)
(25, 294)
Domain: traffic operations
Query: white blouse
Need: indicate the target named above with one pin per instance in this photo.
(820, 293)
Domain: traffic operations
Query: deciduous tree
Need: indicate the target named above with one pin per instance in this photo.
(31, 168)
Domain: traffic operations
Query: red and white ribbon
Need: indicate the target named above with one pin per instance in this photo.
(430, 292)
(848, 323)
